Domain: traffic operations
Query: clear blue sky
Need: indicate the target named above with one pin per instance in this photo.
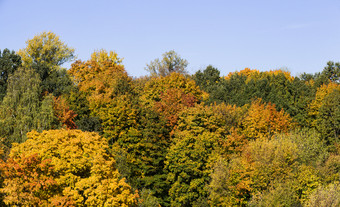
(300, 35)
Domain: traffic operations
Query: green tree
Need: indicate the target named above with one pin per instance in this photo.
(190, 158)
(209, 80)
(171, 62)
(46, 53)
(331, 73)
(9, 62)
(21, 110)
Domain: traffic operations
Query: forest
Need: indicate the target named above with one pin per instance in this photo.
(94, 135)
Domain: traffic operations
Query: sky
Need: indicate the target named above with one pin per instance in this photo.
(297, 35)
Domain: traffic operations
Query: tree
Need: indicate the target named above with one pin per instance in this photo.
(45, 53)
(102, 78)
(191, 156)
(325, 196)
(324, 112)
(171, 62)
(262, 163)
(331, 73)
(210, 81)
(9, 62)
(74, 165)
(263, 120)
(46, 49)
(29, 181)
(63, 112)
(158, 86)
(21, 110)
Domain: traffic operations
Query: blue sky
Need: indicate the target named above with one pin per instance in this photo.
(300, 35)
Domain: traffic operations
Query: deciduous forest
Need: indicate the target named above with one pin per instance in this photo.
(94, 135)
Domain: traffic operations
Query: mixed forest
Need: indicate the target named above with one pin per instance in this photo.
(93, 135)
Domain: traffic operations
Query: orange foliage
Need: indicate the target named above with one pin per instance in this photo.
(29, 181)
(172, 102)
(56, 167)
(263, 120)
(234, 142)
(63, 112)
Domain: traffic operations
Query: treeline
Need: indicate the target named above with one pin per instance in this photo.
(94, 136)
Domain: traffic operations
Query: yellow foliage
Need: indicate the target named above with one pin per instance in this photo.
(81, 167)
(46, 48)
(102, 78)
(322, 92)
(159, 85)
(256, 74)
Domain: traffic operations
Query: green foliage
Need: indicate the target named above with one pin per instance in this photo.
(147, 199)
(312, 149)
(281, 195)
(209, 80)
(21, 110)
(328, 119)
(9, 62)
(331, 73)
(324, 112)
(171, 62)
(45, 53)
(141, 151)
(190, 158)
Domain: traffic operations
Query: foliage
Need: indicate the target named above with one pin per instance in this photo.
(324, 112)
(189, 160)
(325, 196)
(46, 49)
(209, 80)
(73, 164)
(9, 62)
(262, 163)
(141, 152)
(147, 199)
(231, 183)
(21, 110)
(45, 53)
(101, 78)
(172, 102)
(63, 112)
(263, 120)
(171, 62)
(281, 194)
(30, 182)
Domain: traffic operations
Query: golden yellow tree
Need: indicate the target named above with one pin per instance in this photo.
(74, 166)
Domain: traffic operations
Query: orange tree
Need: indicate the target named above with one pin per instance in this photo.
(64, 167)
(171, 94)
(262, 120)
(137, 133)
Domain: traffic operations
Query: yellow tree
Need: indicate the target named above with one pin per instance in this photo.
(324, 112)
(66, 165)
(46, 48)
